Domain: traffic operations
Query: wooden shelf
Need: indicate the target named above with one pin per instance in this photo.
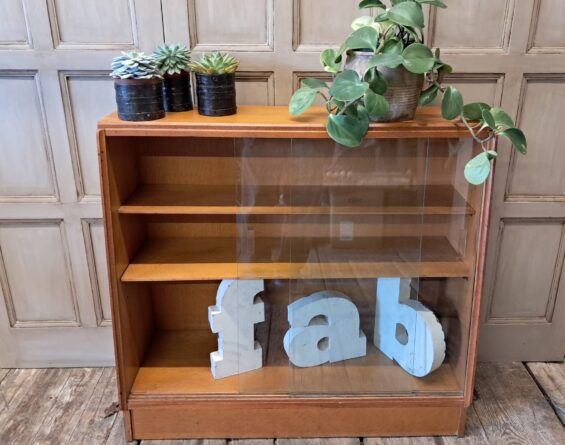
(276, 122)
(177, 364)
(167, 199)
(182, 259)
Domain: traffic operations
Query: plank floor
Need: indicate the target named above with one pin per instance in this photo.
(517, 404)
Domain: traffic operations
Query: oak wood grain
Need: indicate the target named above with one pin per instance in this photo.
(177, 364)
(276, 122)
(170, 199)
(173, 197)
(185, 259)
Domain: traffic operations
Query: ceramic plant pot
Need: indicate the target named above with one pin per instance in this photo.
(177, 92)
(216, 94)
(404, 87)
(139, 99)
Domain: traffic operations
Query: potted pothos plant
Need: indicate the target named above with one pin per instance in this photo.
(215, 80)
(379, 72)
(173, 63)
(137, 81)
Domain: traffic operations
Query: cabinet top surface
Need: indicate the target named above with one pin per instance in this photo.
(275, 122)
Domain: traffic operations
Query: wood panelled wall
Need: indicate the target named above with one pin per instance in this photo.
(54, 85)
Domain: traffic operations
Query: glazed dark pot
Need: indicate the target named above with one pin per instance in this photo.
(177, 94)
(139, 99)
(404, 87)
(216, 94)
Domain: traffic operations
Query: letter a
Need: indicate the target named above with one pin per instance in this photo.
(324, 327)
(421, 348)
(233, 318)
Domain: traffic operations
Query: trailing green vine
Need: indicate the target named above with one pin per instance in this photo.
(395, 38)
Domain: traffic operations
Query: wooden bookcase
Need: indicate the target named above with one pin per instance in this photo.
(191, 200)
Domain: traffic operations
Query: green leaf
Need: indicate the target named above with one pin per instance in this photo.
(375, 104)
(445, 68)
(407, 14)
(315, 84)
(377, 83)
(392, 46)
(517, 138)
(363, 38)
(365, 20)
(478, 169)
(501, 118)
(492, 154)
(428, 96)
(452, 103)
(371, 4)
(301, 100)
(418, 58)
(437, 3)
(489, 119)
(474, 111)
(348, 86)
(330, 60)
(383, 17)
(388, 60)
(346, 129)
(362, 114)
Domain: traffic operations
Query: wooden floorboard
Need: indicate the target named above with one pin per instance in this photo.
(116, 436)
(474, 432)
(3, 400)
(27, 411)
(73, 406)
(318, 441)
(15, 384)
(251, 442)
(512, 409)
(65, 414)
(184, 442)
(96, 419)
(551, 377)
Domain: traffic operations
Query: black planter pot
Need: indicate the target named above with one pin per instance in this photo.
(216, 94)
(139, 99)
(176, 92)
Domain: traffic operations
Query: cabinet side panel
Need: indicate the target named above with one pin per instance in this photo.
(130, 305)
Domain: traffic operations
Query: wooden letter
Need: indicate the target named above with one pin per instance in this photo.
(420, 348)
(233, 317)
(324, 327)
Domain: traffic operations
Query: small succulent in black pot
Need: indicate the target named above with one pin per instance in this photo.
(137, 81)
(215, 77)
(173, 61)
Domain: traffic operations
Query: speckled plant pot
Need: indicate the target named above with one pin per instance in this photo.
(404, 87)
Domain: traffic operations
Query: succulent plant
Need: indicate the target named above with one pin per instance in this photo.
(215, 63)
(135, 65)
(172, 59)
